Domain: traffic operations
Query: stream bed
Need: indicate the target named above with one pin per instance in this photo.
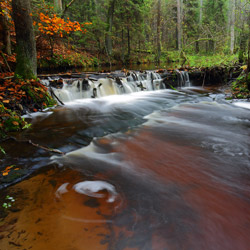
(149, 170)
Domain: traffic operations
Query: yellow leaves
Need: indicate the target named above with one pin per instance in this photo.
(244, 67)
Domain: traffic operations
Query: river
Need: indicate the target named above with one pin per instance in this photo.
(150, 170)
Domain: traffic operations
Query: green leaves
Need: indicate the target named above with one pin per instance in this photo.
(9, 201)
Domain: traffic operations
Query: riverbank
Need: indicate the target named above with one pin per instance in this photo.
(18, 97)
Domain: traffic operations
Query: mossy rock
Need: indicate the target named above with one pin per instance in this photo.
(241, 87)
(10, 121)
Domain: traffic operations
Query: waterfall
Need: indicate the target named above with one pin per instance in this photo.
(104, 86)
(183, 79)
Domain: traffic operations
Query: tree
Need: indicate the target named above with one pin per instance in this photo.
(58, 5)
(110, 15)
(232, 26)
(179, 24)
(158, 31)
(5, 26)
(26, 66)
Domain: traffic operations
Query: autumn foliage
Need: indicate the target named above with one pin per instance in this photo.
(5, 9)
(56, 26)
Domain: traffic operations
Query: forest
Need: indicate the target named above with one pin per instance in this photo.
(124, 124)
(99, 32)
(60, 36)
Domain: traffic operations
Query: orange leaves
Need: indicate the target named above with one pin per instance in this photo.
(15, 123)
(55, 25)
(6, 171)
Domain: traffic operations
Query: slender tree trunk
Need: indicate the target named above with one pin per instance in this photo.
(108, 39)
(128, 36)
(58, 5)
(248, 54)
(123, 47)
(232, 26)
(26, 47)
(158, 31)
(201, 12)
(5, 33)
(248, 57)
(179, 24)
(197, 44)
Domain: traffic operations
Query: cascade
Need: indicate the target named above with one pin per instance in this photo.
(183, 79)
(92, 87)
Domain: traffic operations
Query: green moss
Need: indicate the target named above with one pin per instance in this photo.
(10, 121)
(24, 68)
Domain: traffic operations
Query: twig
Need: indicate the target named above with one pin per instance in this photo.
(45, 148)
(53, 94)
(37, 145)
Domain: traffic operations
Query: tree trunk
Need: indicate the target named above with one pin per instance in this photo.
(128, 36)
(248, 57)
(179, 24)
(58, 5)
(232, 24)
(158, 31)
(26, 47)
(108, 40)
(5, 34)
(197, 44)
(201, 12)
(248, 54)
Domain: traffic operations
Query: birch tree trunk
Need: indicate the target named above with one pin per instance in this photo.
(158, 31)
(26, 66)
(197, 45)
(232, 27)
(58, 5)
(179, 24)
(201, 12)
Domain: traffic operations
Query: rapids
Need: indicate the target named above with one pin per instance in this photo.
(146, 170)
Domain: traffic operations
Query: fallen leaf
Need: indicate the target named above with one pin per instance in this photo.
(15, 123)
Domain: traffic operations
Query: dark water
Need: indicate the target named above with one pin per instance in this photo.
(151, 170)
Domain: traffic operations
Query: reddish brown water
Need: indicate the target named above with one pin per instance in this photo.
(181, 180)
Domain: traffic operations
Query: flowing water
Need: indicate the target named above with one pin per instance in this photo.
(160, 169)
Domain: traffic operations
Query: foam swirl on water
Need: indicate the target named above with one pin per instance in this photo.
(91, 188)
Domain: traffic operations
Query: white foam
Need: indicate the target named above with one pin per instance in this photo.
(242, 104)
(62, 190)
(90, 188)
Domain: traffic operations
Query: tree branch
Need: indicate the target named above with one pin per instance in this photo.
(66, 8)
